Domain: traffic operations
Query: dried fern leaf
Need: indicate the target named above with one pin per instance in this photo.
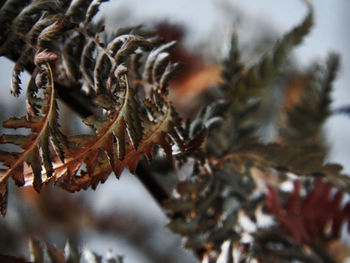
(304, 220)
(102, 70)
(125, 121)
(164, 128)
(206, 208)
(23, 23)
(8, 12)
(93, 10)
(70, 254)
(88, 62)
(78, 9)
(124, 133)
(155, 57)
(40, 146)
(128, 129)
(16, 81)
(170, 72)
(117, 51)
(121, 137)
(42, 24)
(72, 52)
(160, 131)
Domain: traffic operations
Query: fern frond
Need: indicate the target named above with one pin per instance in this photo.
(24, 21)
(96, 61)
(116, 133)
(311, 218)
(123, 134)
(163, 128)
(206, 208)
(121, 138)
(78, 9)
(44, 141)
(245, 87)
(44, 24)
(271, 64)
(16, 80)
(88, 63)
(232, 65)
(294, 158)
(93, 10)
(71, 52)
(117, 51)
(305, 117)
(306, 161)
(129, 128)
(156, 61)
(209, 208)
(123, 123)
(208, 117)
(8, 12)
(70, 254)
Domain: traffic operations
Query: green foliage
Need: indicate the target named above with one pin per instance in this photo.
(307, 115)
(245, 86)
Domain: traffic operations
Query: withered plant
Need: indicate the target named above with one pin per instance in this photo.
(230, 202)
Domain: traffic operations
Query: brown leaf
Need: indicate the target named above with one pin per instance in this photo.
(306, 219)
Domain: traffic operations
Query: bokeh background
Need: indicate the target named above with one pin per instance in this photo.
(129, 221)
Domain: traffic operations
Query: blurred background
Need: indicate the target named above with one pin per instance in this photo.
(120, 215)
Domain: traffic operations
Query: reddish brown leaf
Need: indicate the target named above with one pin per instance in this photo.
(306, 218)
